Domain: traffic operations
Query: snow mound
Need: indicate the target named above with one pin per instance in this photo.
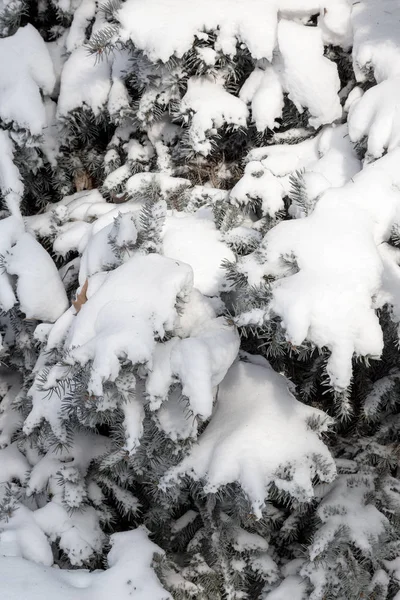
(124, 315)
(26, 70)
(376, 115)
(37, 278)
(330, 263)
(199, 357)
(263, 90)
(11, 185)
(129, 575)
(259, 184)
(345, 506)
(211, 107)
(177, 25)
(253, 23)
(259, 435)
(123, 318)
(376, 43)
(195, 240)
(325, 161)
(84, 82)
(310, 79)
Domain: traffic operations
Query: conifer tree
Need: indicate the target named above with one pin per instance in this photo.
(199, 291)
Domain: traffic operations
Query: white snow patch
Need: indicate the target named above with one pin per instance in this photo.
(257, 428)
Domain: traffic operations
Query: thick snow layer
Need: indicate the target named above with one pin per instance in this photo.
(177, 25)
(194, 239)
(58, 56)
(124, 315)
(188, 237)
(97, 255)
(84, 82)
(129, 575)
(10, 418)
(257, 430)
(259, 184)
(174, 419)
(293, 587)
(11, 230)
(83, 15)
(283, 159)
(78, 533)
(376, 115)
(328, 160)
(199, 358)
(263, 90)
(11, 185)
(253, 23)
(337, 161)
(213, 107)
(338, 278)
(345, 506)
(26, 69)
(39, 288)
(376, 43)
(310, 79)
(37, 278)
(13, 465)
(50, 135)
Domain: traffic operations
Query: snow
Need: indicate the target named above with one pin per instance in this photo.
(10, 419)
(283, 159)
(78, 532)
(194, 239)
(184, 521)
(167, 36)
(213, 107)
(171, 278)
(98, 254)
(328, 160)
(118, 100)
(150, 327)
(377, 116)
(13, 464)
(10, 230)
(200, 360)
(58, 56)
(263, 90)
(167, 184)
(263, 565)
(26, 70)
(11, 185)
(338, 284)
(310, 79)
(174, 418)
(376, 39)
(84, 82)
(380, 390)
(50, 140)
(84, 13)
(257, 429)
(37, 277)
(129, 575)
(293, 587)
(344, 506)
(253, 24)
(37, 280)
(376, 51)
(258, 183)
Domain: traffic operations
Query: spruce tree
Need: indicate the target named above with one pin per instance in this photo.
(199, 292)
